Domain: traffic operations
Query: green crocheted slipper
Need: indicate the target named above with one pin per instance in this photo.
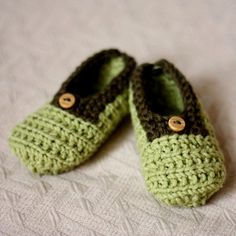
(83, 113)
(181, 160)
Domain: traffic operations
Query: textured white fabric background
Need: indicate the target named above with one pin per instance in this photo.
(41, 42)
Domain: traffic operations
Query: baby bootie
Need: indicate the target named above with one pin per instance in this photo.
(81, 116)
(181, 160)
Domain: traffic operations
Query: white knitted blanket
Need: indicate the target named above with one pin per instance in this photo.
(41, 42)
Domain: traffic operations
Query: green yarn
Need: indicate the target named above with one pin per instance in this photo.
(182, 170)
(165, 95)
(108, 72)
(58, 137)
(52, 141)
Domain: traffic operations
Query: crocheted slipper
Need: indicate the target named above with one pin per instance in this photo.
(181, 160)
(83, 113)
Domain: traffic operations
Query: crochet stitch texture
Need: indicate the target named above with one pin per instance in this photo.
(54, 140)
(182, 169)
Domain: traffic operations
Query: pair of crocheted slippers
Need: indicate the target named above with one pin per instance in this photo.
(181, 160)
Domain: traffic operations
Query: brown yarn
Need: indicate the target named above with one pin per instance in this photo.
(155, 124)
(89, 107)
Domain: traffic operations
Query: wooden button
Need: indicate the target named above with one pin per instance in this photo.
(67, 100)
(176, 123)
